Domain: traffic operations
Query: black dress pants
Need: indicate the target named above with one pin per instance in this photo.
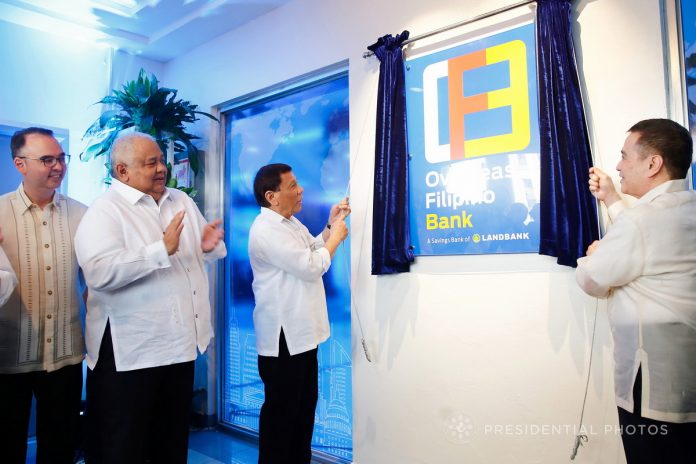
(58, 397)
(287, 415)
(648, 441)
(137, 416)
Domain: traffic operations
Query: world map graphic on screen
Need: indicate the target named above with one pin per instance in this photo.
(308, 130)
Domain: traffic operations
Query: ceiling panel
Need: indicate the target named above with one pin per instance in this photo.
(156, 29)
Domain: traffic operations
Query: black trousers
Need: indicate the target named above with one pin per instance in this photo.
(648, 441)
(137, 416)
(58, 396)
(287, 415)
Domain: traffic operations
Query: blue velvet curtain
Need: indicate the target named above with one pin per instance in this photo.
(391, 236)
(568, 218)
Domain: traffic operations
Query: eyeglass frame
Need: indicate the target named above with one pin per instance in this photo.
(53, 160)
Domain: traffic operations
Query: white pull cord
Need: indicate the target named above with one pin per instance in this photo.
(353, 300)
(581, 438)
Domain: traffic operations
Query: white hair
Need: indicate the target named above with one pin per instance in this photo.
(124, 148)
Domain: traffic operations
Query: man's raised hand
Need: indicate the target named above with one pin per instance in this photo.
(212, 234)
(173, 232)
(602, 187)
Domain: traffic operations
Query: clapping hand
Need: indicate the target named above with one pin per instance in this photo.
(173, 232)
(212, 234)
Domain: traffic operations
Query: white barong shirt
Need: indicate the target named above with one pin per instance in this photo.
(157, 305)
(646, 267)
(288, 264)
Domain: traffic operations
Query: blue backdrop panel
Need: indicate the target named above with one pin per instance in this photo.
(307, 129)
(688, 14)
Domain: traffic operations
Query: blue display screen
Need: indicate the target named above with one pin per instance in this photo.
(688, 14)
(307, 129)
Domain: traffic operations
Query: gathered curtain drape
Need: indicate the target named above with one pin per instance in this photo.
(391, 237)
(568, 215)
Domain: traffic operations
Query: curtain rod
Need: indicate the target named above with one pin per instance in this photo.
(368, 54)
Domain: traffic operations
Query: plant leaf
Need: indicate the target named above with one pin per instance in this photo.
(143, 104)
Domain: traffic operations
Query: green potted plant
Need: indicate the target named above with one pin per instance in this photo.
(146, 107)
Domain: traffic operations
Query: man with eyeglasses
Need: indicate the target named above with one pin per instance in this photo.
(41, 339)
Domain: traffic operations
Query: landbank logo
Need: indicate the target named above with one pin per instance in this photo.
(477, 238)
(477, 104)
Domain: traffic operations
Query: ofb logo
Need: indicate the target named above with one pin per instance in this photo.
(473, 141)
(477, 104)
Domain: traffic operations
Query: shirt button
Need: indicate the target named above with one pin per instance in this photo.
(49, 339)
(194, 292)
(188, 270)
(48, 316)
(50, 292)
(46, 245)
(48, 268)
(45, 223)
(196, 316)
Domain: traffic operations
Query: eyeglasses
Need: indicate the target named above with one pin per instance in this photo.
(50, 161)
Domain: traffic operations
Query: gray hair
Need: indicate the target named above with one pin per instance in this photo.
(124, 148)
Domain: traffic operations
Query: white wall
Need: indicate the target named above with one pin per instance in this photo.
(53, 80)
(461, 344)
